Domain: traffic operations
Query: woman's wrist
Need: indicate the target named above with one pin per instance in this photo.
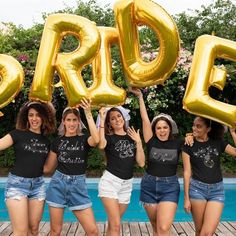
(88, 113)
(138, 143)
(140, 96)
(186, 198)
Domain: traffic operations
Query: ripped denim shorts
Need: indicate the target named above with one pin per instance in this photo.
(17, 187)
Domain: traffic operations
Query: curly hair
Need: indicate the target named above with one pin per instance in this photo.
(108, 128)
(46, 113)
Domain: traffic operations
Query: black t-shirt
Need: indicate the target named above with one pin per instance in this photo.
(120, 152)
(205, 160)
(31, 151)
(72, 153)
(163, 156)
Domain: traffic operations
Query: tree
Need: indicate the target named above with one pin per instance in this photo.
(218, 18)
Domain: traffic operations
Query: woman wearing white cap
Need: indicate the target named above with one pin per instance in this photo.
(69, 154)
(159, 186)
(123, 147)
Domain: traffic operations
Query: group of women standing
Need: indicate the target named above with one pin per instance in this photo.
(66, 157)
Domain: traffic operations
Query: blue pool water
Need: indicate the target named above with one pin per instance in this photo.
(135, 212)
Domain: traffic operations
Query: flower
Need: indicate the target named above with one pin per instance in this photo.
(167, 98)
(23, 58)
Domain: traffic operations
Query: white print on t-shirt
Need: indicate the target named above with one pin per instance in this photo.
(66, 152)
(64, 146)
(125, 148)
(63, 157)
(205, 154)
(35, 146)
(163, 155)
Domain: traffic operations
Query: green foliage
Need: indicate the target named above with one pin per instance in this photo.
(218, 18)
(228, 162)
(7, 158)
(96, 161)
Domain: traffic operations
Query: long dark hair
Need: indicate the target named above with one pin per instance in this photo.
(108, 128)
(217, 129)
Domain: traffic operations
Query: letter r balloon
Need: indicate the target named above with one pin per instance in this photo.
(68, 65)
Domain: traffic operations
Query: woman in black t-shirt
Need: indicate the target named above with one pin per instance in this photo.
(25, 192)
(159, 186)
(123, 147)
(69, 153)
(203, 186)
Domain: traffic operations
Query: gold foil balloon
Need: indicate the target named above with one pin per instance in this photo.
(11, 79)
(129, 15)
(68, 65)
(204, 74)
(104, 92)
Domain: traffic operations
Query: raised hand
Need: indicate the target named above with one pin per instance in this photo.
(102, 113)
(232, 130)
(136, 91)
(86, 104)
(134, 134)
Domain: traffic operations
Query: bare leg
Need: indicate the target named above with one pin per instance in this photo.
(56, 220)
(113, 209)
(211, 220)
(165, 217)
(35, 215)
(87, 220)
(152, 215)
(122, 208)
(198, 210)
(18, 211)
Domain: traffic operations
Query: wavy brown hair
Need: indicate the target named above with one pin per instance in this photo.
(108, 128)
(46, 113)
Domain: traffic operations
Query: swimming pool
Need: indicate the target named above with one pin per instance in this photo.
(135, 212)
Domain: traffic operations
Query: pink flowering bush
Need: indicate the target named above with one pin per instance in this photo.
(167, 98)
(23, 58)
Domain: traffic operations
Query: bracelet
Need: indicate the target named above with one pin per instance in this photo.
(101, 126)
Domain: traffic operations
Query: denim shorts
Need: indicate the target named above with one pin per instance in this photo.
(17, 187)
(208, 192)
(68, 191)
(159, 189)
(111, 186)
